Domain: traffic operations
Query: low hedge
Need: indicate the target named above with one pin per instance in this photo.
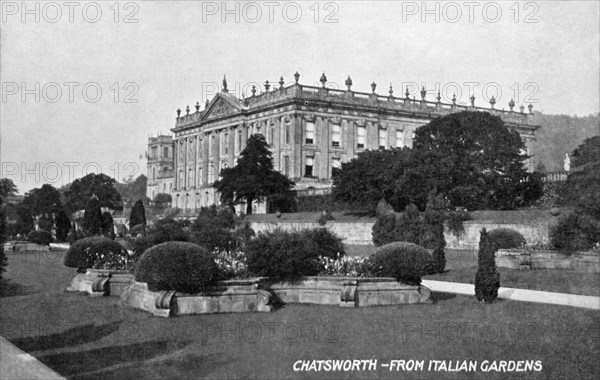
(179, 266)
(406, 262)
(506, 238)
(97, 252)
(41, 237)
(284, 255)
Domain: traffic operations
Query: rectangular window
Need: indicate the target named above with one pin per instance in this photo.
(399, 139)
(225, 144)
(190, 178)
(180, 184)
(382, 138)
(286, 165)
(239, 142)
(211, 173)
(287, 133)
(199, 177)
(272, 135)
(308, 167)
(310, 133)
(166, 152)
(335, 135)
(360, 137)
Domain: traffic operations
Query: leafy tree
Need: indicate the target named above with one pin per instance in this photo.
(253, 178)
(92, 217)
(82, 189)
(131, 188)
(474, 160)
(4, 191)
(138, 214)
(7, 187)
(582, 188)
(24, 224)
(371, 177)
(42, 203)
(63, 225)
(586, 152)
(163, 198)
(213, 229)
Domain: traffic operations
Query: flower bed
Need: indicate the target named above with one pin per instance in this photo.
(588, 262)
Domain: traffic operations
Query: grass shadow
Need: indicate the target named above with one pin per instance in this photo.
(440, 296)
(9, 288)
(72, 337)
(90, 363)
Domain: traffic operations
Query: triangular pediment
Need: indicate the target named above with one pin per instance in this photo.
(221, 105)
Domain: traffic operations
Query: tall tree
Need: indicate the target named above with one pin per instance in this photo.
(7, 187)
(108, 229)
(132, 189)
(63, 225)
(371, 177)
(586, 152)
(582, 188)
(92, 217)
(473, 159)
(253, 178)
(138, 214)
(82, 189)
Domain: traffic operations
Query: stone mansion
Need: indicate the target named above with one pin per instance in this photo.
(310, 131)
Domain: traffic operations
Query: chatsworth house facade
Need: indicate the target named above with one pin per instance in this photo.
(310, 130)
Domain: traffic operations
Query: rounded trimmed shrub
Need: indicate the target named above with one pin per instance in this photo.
(97, 252)
(575, 232)
(41, 237)
(179, 266)
(406, 262)
(506, 238)
(282, 255)
(324, 243)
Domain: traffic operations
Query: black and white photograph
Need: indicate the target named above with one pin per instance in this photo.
(299, 189)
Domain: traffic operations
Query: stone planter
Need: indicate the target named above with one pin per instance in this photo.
(235, 296)
(585, 262)
(232, 296)
(21, 246)
(101, 282)
(349, 291)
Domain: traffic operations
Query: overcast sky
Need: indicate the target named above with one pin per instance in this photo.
(149, 58)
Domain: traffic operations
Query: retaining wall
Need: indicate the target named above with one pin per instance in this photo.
(360, 233)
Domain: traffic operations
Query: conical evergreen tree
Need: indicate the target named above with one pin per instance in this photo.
(487, 278)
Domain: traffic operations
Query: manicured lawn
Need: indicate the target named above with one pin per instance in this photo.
(87, 337)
